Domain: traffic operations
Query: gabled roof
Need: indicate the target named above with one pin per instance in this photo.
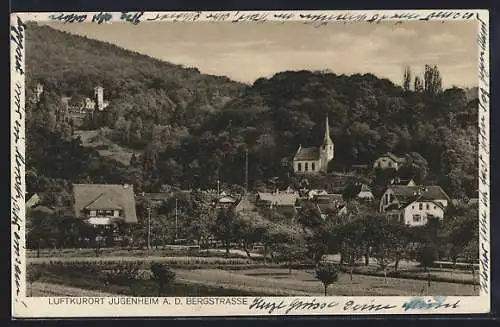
(280, 199)
(393, 157)
(328, 198)
(105, 196)
(311, 153)
(430, 193)
(103, 202)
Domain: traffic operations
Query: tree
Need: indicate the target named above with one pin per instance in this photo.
(327, 274)
(426, 256)
(432, 80)
(225, 227)
(41, 228)
(418, 86)
(407, 78)
(163, 275)
(352, 244)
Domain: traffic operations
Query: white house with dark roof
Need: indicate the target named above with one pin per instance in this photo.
(105, 204)
(310, 160)
(413, 205)
(389, 161)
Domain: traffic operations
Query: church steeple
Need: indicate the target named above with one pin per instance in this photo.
(327, 140)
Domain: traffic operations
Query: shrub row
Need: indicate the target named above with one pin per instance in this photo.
(169, 260)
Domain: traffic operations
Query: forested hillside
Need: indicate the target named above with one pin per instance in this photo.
(192, 129)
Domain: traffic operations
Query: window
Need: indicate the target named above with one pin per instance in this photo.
(313, 166)
(306, 168)
(299, 166)
(434, 207)
(413, 207)
(427, 206)
(391, 197)
(390, 164)
(101, 213)
(420, 206)
(416, 218)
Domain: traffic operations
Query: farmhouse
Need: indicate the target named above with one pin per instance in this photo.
(282, 202)
(105, 204)
(413, 205)
(313, 160)
(388, 161)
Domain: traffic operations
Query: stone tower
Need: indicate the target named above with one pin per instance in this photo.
(326, 150)
(99, 97)
(38, 92)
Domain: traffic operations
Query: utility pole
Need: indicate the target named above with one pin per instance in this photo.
(218, 187)
(176, 218)
(246, 172)
(149, 228)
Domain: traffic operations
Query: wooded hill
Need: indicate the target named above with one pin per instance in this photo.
(192, 129)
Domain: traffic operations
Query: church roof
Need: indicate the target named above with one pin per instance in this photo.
(310, 153)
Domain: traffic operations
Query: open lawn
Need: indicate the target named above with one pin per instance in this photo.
(278, 280)
(106, 147)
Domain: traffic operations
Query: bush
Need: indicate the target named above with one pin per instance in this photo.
(163, 275)
(122, 273)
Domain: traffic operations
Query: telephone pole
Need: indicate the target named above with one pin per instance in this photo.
(149, 228)
(176, 218)
(246, 172)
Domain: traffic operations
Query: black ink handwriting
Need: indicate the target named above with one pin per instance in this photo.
(133, 17)
(69, 18)
(17, 36)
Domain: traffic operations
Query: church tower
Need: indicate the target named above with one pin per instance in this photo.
(326, 151)
(99, 97)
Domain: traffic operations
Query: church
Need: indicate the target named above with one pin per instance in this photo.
(314, 159)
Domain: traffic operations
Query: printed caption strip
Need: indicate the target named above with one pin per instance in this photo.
(24, 306)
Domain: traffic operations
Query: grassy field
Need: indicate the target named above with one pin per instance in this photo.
(106, 147)
(303, 281)
(260, 282)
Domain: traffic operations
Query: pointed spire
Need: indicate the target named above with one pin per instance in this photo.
(327, 139)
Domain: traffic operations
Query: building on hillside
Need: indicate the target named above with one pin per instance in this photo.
(312, 193)
(282, 202)
(388, 161)
(365, 193)
(105, 204)
(225, 201)
(86, 105)
(328, 204)
(414, 205)
(312, 160)
(402, 181)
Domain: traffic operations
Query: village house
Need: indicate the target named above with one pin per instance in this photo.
(365, 193)
(311, 160)
(414, 205)
(388, 161)
(225, 201)
(105, 204)
(282, 202)
(402, 181)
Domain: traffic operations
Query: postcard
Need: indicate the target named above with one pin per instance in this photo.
(250, 163)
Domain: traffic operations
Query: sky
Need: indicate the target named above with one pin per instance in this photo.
(247, 51)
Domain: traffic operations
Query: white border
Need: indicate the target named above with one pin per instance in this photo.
(26, 307)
